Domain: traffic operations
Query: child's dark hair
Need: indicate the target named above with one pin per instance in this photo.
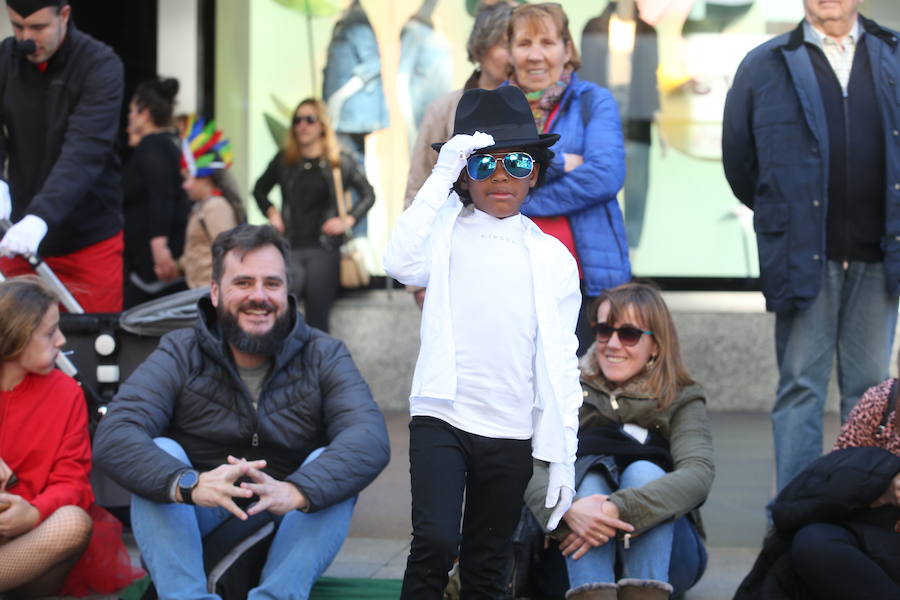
(542, 157)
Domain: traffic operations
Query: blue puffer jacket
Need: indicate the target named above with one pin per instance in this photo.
(588, 124)
(775, 154)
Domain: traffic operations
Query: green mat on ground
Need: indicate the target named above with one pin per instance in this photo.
(339, 588)
(327, 588)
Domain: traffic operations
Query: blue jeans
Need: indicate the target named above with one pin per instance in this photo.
(170, 540)
(854, 315)
(671, 551)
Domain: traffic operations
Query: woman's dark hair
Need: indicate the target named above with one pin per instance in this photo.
(542, 157)
(158, 96)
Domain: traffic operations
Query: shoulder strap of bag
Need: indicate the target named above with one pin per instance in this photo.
(342, 199)
(891, 403)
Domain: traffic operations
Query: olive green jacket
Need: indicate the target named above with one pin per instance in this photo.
(684, 424)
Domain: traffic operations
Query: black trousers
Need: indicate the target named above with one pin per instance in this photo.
(832, 565)
(315, 279)
(444, 462)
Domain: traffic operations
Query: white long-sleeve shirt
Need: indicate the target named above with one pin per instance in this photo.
(494, 329)
(420, 252)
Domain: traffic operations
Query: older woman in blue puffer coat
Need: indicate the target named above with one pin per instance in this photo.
(577, 203)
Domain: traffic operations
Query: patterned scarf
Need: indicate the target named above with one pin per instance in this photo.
(544, 101)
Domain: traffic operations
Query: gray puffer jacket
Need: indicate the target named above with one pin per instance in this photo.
(189, 389)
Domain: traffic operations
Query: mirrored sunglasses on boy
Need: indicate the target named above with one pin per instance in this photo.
(519, 165)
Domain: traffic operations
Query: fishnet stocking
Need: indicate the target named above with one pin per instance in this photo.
(35, 557)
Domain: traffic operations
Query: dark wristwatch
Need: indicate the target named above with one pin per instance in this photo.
(187, 481)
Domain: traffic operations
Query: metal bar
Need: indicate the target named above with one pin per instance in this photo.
(47, 274)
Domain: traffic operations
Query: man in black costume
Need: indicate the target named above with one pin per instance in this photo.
(60, 101)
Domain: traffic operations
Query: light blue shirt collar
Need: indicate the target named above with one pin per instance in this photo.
(811, 35)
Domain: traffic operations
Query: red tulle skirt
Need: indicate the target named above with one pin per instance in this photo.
(105, 567)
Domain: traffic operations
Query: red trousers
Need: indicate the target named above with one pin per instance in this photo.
(93, 274)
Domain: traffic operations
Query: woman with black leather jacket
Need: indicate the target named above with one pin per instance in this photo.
(305, 169)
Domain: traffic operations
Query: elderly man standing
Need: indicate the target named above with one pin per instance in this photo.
(60, 101)
(251, 393)
(811, 143)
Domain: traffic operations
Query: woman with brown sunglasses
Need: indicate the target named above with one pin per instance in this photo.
(644, 457)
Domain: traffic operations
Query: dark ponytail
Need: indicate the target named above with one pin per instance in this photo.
(157, 96)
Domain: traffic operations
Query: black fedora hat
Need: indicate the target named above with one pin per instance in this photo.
(503, 113)
(25, 8)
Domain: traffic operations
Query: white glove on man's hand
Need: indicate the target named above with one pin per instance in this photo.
(456, 151)
(559, 492)
(5, 201)
(24, 237)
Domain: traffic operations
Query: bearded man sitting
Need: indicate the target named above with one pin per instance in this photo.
(251, 410)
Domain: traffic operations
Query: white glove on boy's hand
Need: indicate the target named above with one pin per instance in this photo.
(5, 201)
(456, 151)
(24, 237)
(559, 494)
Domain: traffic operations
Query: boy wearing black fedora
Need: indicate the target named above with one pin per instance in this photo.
(496, 381)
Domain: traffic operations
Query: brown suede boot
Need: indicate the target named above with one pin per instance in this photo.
(643, 589)
(593, 591)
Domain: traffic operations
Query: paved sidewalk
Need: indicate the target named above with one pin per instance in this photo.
(734, 513)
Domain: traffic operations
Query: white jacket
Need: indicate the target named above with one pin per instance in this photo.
(418, 253)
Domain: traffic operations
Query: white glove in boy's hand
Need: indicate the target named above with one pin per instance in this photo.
(5, 201)
(559, 494)
(24, 237)
(456, 151)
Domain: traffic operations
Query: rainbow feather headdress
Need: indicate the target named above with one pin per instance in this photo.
(204, 149)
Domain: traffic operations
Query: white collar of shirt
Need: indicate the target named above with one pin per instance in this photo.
(483, 217)
(815, 36)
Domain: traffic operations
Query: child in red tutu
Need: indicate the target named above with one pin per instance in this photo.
(53, 539)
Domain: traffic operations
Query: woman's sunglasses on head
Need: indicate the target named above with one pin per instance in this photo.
(628, 335)
(308, 119)
(519, 165)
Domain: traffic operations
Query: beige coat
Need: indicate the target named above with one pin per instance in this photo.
(208, 219)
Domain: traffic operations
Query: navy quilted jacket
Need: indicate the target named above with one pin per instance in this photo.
(775, 156)
(188, 389)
